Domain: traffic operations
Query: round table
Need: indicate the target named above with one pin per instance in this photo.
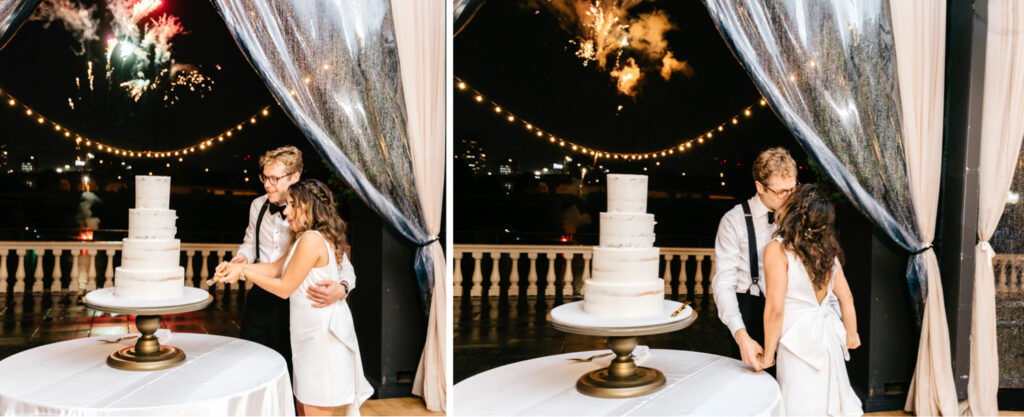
(698, 384)
(220, 376)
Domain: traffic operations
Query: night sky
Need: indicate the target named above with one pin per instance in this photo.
(39, 67)
(520, 57)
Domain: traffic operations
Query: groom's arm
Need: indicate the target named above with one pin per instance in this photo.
(325, 293)
(723, 284)
(248, 246)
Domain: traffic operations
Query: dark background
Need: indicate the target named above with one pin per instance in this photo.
(519, 56)
(211, 194)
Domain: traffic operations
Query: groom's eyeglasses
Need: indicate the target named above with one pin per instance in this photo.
(273, 180)
(782, 193)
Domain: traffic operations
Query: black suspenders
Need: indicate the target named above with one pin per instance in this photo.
(751, 245)
(259, 221)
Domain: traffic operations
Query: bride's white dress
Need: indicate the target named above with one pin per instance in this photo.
(811, 367)
(328, 371)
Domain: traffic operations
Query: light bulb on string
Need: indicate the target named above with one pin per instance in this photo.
(746, 112)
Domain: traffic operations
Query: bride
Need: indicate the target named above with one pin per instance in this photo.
(801, 269)
(328, 371)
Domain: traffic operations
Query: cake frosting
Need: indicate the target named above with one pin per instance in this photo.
(624, 280)
(150, 255)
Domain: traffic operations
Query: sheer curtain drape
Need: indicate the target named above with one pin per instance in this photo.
(420, 31)
(333, 67)
(830, 72)
(1002, 128)
(12, 14)
(919, 31)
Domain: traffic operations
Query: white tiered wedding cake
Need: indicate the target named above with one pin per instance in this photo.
(625, 280)
(150, 265)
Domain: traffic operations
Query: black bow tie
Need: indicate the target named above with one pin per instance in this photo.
(771, 217)
(276, 209)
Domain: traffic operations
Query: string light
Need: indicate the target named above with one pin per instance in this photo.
(596, 153)
(203, 144)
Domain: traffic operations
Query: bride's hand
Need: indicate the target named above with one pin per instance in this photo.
(852, 340)
(221, 267)
(766, 361)
(230, 274)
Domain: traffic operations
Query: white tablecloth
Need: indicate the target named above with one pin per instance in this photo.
(697, 384)
(220, 376)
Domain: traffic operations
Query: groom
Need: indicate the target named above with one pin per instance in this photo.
(267, 239)
(738, 284)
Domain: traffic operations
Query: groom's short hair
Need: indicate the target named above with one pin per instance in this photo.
(290, 156)
(773, 161)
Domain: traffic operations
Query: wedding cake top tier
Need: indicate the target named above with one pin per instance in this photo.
(627, 193)
(152, 191)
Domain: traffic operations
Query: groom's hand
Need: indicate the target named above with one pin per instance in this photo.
(750, 350)
(325, 293)
(239, 259)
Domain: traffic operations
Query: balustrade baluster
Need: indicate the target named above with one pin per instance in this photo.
(668, 274)
(3, 270)
(76, 267)
(37, 275)
(495, 280)
(567, 287)
(698, 283)
(204, 270)
(19, 274)
(478, 276)
(190, 271)
(56, 275)
(531, 279)
(108, 274)
(457, 276)
(513, 277)
(89, 276)
(549, 284)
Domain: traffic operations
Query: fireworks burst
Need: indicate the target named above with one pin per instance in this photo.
(606, 33)
(138, 57)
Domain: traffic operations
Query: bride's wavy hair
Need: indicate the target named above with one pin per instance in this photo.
(807, 227)
(319, 212)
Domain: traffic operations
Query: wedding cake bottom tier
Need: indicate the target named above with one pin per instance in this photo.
(625, 264)
(149, 284)
(629, 299)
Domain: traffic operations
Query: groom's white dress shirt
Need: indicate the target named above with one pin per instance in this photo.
(275, 237)
(732, 260)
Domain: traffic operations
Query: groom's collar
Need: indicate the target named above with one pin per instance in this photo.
(757, 208)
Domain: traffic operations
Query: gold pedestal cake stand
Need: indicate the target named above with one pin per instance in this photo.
(622, 378)
(147, 354)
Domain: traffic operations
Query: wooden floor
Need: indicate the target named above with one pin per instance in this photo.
(406, 406)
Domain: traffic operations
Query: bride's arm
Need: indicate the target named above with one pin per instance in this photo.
(272, 269)
(306, 255)
(776, 268)
(841, 288)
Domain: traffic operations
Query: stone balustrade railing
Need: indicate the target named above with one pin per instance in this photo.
(566, 267)
(73, 265)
